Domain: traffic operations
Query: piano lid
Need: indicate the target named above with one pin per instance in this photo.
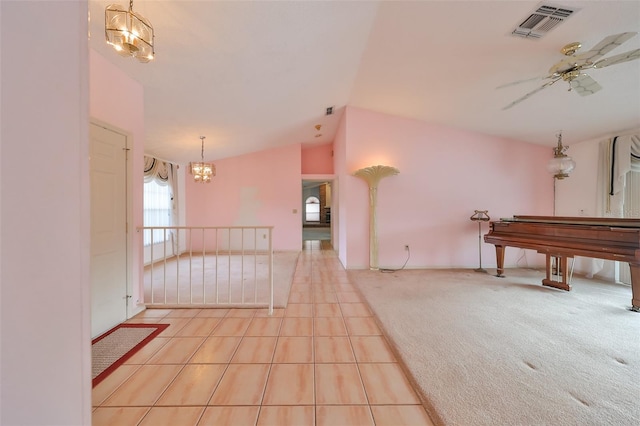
(579, 220)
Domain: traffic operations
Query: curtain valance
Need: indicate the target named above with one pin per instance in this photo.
(625, 157)
(165, 173)
(157, 169)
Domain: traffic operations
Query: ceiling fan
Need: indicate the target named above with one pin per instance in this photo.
(571, 68)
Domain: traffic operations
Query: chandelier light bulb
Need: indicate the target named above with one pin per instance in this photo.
(202, 172)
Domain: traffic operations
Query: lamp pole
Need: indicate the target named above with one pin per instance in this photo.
(372, 175)
(480, 216)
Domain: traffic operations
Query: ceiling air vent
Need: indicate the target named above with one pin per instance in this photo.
(545, 18)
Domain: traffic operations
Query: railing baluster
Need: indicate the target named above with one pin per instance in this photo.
(242, 264)
(239, 255)
(229, 266)
(164, 263)
(190, 259)
(270, 272)
(217, 268)
(152, 283)
(176, 252)
(204, 244)
(255, 265)
(217, 252)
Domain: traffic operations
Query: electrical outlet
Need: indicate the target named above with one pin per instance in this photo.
(406, 247)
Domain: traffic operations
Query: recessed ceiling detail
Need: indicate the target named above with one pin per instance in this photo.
(542, 20)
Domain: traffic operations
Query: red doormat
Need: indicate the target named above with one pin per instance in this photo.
(117, 345)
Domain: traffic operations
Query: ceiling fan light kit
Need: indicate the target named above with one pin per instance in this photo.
(571, 69)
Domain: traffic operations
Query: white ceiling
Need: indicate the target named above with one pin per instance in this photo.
(255, 75)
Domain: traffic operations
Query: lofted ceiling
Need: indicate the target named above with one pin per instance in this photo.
(252, 75)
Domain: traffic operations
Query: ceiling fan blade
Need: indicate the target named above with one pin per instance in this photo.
(605, 46)
(618, 59)
(513, 83)
(533, 92)
(584, 85)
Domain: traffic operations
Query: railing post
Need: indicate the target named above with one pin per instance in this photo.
(270, 271)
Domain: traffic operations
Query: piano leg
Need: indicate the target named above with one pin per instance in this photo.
(563, 285)
(500, 261)
(635, 287)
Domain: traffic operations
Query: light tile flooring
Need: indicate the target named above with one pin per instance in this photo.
(320, 361)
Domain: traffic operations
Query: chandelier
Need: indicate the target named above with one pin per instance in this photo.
(202, 172)
(130, 33)
(561, 164)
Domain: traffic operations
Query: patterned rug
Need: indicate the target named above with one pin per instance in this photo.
(114, 347)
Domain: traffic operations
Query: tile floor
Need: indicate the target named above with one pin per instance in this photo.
(320, 361)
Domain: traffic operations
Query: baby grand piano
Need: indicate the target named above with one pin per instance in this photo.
(566, 237)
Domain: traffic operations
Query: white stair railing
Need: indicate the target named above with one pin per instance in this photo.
(208, 266)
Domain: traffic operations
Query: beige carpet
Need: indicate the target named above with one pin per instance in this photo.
(508, 351)
(114, 347)
(220, 280)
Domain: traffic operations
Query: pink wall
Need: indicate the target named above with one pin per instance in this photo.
(118, 101)
(258, 189)
(317, 159)
(445, 174)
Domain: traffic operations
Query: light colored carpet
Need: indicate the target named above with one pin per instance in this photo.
(508, 351)
(220, 280)
(111, 348)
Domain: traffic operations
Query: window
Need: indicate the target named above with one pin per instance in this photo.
(157, 210)
(312, 209)
(631, 205)
(630, 209)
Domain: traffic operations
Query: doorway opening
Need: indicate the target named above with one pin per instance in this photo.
(316, 209)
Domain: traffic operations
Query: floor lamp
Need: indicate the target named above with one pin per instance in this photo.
(372, 175)
(480, 216)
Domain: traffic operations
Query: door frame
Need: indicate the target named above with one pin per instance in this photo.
(332, 181)
(129, 310)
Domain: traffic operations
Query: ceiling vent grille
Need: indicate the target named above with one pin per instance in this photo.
(545, 18)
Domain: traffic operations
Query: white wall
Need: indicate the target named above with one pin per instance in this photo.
(577, 194)
(45, 361)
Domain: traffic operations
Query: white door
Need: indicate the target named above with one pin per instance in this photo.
(108, 169)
